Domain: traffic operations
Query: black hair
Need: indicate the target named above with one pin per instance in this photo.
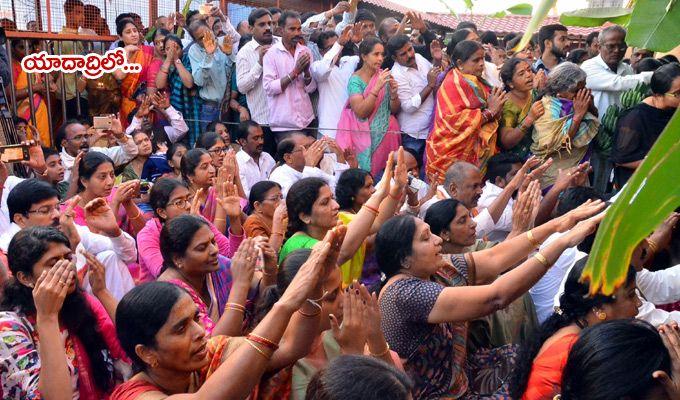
(300, 200)
(573, 197)
(176, 236)
(160, 193)
(120, 25)
(457, 37)
(440, 215)
(394, 243)
(305, 16)
(337, 18)
(464, 50)
(592, 36)
(162, 32)
(662, 79)
(509, 37)
(244, 40)
(364, 15)
(647, 64)
(26, 193)
(358, 377)
(60, 136)
(208, 140)
(244, 128)
(348, 186)
(489, 37)
(547, 32)
(286, 146)
(414, 153)
(508, 71)
(511, 43)
(668, 58)
(89, 164)
(395, 44)
(575, 56)
(615, 360)
(172, 149)
(141, 313)
(287, 270)
(259, 190)
(257, 14)
(466, 25)
(190, 16)
(575, 303)
(190, 161)
(286, 15)
(49, 151)
(213, 124)
(25, 249)
(323, 37)
(122, 16)
(366, 47)
(274, 10)
(500, 165)
(70, 5)
(18, 120)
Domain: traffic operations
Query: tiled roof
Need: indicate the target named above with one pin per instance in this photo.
(507, 24)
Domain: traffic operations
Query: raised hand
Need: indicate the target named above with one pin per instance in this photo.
(537, 110)
(314, 153)
(66, 224)
(130, 51)
(495, 102)
(36, 158)
(52, 287)
(101, 219)
(262, 50)
(352, 335)
(671, 339)
(196, 203)
(585, 210)
(383, 78)
(302, 63)
(351, 158)
(280, 219)
(583, 229)
(345, 36)
(356, 35)
(417, 22)
(400, 171)
(538, 172)
(96, 273)
(518, 179)
(243, 263)
(227, 197)
(539, 80)
(209, 43)
(332, 259)
(144, 107)
(383, 187)
(525, 208)
(227, 44)
(432, 75)
(126, 193)
(581, 102)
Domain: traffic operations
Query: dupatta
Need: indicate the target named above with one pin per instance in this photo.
(458, 132)
(128, 86)
(355, 133)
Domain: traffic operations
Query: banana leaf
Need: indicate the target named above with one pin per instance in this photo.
(592, 17)
(654, 25)
(539, 14)
(650, 196)
(519, 9)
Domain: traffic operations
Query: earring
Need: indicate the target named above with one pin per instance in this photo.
(406, 265)
(601, 315)
(352, 198)
(154, 363)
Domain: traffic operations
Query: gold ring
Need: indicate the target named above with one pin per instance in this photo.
(62, 282)
(249, 259)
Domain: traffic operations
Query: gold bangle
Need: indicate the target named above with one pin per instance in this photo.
(219, 219)
(277, 233)
(373, 210)
(541, 258)
(139, 214)
(532, 240)
(266, 341)
(254, 346)
(235, 306)
(380, 355)
(653, 246)
(309, 315)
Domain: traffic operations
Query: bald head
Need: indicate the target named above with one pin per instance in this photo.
(463, 182)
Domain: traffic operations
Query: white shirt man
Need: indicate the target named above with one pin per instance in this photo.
(416, 113)
(252, 171)
(332, 82)
(504, 223)
(286, 176)
(483, 219)
(121, 154)
(175, 131)
(607, 85)
(249, 80)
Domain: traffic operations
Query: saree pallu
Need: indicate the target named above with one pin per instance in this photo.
(458, 132)
(129, 85)
(551, 139)
(39, 105)
(373, 138)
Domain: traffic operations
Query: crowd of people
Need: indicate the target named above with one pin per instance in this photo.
(327, 206)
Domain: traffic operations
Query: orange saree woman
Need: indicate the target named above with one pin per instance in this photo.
(546, 373)
(39, 105)
(131, 82)
(459, 132)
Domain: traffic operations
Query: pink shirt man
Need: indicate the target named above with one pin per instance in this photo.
(291, 109)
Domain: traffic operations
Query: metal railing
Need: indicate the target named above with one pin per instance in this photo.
(53, 44)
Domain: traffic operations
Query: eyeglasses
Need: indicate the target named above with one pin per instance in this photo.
(219, 150)
(615, 46)
(676, 95)
(45, 210)
(277, 198)
(180, 203)
(79, 138)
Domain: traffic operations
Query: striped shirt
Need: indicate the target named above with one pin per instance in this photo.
(249, 80)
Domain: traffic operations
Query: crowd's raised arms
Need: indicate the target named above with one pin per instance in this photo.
(330, 206)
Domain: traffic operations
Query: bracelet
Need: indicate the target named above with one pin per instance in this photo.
(265, 273)
(653, 245)
(383, 354)
(532, 241)
(277, 233)
(309, 315)
(139, 214)
(263, 341)
(235, 307)
(254, 346)
(165, 71)
(541, 258)
(372, 209)
(219, 219)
